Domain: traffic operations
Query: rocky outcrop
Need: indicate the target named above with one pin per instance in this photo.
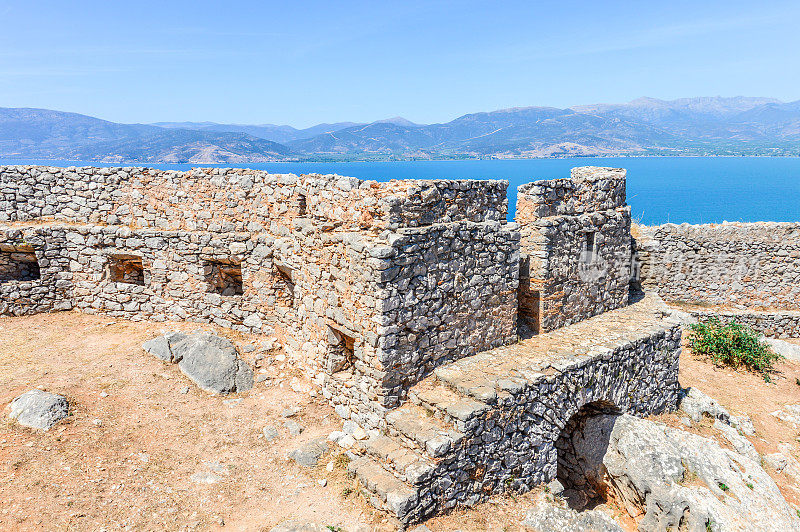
(677, 480)
(548, 517)
(39, 410)
(210, 361)
(697, 405)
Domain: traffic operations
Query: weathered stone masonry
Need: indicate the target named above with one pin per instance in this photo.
(751, 270)
(355, 278)
(400, 299)
(576, 246)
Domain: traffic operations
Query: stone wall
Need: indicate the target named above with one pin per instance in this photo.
(320, 258)
(21, 292)
(491, 423)
(575, 238)
(514, 446)
(740, 265)
(773, 324)
(229, 199)
(450, 291)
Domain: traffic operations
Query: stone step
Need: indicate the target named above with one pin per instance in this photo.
(407, 464)
(419, 425)
(395, 495)
(446, 403)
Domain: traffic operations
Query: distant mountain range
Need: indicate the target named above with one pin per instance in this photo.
(646, 126)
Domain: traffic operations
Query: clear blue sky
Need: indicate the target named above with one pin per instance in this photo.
(302, 63)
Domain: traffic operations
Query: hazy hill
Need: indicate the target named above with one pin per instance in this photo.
(695, 126)
(45, 134)
(271, 132)
(647, 125)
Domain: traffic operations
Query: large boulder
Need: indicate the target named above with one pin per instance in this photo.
(678, 480)
(39, 410)
(212, 362)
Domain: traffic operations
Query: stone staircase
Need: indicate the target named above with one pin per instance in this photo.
(489, 422)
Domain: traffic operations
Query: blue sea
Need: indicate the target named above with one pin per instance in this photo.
(660, 189)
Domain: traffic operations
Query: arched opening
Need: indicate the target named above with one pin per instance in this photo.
(581, 446)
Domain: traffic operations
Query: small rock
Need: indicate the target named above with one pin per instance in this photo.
(555, 487)
(309, 454)
(776, 461)
(323, 482)
(270, 433)
(97, 422)
(232, 402)
(294, 428)
(697, 404)
(686, 421)
(335, 436)
(744, 424)
(420, 528)
(291, 411)
(346, 441)
(330, 466)
(789, 417)
(262, 378)
(103, 394)
(360, 434)
(205, 477)
(39, 410)
(185, 390)
(785, 349)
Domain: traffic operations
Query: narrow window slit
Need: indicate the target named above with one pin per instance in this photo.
(341, 351)
(589, 247)
(285, 281)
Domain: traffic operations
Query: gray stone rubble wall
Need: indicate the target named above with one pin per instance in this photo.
(560, 281)
(229, 199)
(740, 265)
(512, 445)
(319, 255)
(450, 291)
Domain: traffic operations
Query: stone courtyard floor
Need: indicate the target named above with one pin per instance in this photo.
(141, 452)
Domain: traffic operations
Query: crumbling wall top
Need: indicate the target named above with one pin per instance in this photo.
(588, 189)
(239, 199)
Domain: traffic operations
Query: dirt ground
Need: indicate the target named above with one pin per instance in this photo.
(125, 456)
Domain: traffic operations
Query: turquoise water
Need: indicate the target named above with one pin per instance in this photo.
(660, 189)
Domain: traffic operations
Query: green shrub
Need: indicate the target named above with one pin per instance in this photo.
(733, 344)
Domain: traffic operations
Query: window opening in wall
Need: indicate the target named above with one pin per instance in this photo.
(18, 263)
(126, 269)
(341, 351)
(285, 281)
(528, 301)
(589, 247)
(302, 207)
(224, 278)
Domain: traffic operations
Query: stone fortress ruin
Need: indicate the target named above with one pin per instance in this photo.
(469, 346)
